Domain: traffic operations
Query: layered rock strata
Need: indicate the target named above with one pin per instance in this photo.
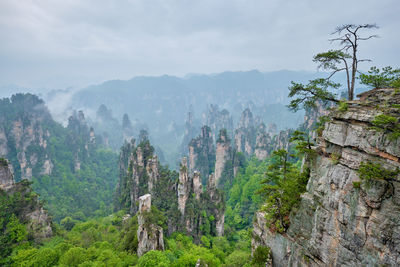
(342, 220)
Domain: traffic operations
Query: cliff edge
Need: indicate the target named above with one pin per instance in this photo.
(350, 213)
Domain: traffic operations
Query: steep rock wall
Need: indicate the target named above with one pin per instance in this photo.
(150, 236)
(29, 210)
(223, 154)
(343, 221)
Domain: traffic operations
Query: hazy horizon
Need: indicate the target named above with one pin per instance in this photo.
(57, 45)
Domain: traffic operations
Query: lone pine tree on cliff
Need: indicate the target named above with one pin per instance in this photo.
(343, 59)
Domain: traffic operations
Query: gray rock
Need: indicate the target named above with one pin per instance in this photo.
(336, 223)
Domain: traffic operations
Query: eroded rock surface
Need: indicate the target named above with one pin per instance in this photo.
(150, 236)
(343, 221)
(223, 154)
(202, 153)
(30, 211)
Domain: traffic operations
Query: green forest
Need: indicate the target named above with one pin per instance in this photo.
(88, 233)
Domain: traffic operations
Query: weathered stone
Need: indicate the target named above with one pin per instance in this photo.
(202, 153)
(197, 186)
(245, 134)
(263, 143)
(218, 120)
(150, 236)
(183, 186)
(6, 176)
(222, 154)
(338, 224)
(37, 220)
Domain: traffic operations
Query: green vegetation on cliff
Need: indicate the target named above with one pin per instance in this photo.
(75, 176)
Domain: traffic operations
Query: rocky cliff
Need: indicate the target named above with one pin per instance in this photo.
(217, 120)
(20, 199)
(202, 154)
(191, 131)
(252, 136)
(138, 173)
(245, 134)
(24, 136)
(223, 155)
(127, 128)
(263, 143)
(150, 236)
(349, 215)
(181, 198)
(197, 206)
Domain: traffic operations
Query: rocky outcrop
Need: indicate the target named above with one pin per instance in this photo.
(223, 154)
(29, 210)
(139, 172)
(343, 220)
(281, 140)
(24, 140)
(150, 236)
(180, 196)
(196, 205)
(191, 130)
(217, 120)
(6, 177)
(245, 134)
(216, 206)
(202, 153)
(183, 186)
(263, 143)
(197, 186)
(127, 128)
(253, 137)
(313, 114)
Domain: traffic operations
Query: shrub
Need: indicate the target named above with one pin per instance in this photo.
(343, 106)
(74, 256)
(387, 123)
(356, 185)
(261, 255)
(335, 158)
(374, 171)
(380, 79)
(154, 258)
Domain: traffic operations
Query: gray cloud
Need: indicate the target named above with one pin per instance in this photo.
(57, 44)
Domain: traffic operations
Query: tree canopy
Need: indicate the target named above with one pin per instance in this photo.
(345, 59)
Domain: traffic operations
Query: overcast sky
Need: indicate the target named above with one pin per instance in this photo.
(56, 44)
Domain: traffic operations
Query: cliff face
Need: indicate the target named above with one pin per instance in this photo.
(343, 220)
(196, 206)
(138, 173)
(150, 236)
(253, 137)
(127, 128)
(191, 130)
(223, 155)
(217, 120)
(24, 136)
(245, 134)
(28, 209)
(180, 196)
(6, 177)
(263, 143)
(202, 153)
